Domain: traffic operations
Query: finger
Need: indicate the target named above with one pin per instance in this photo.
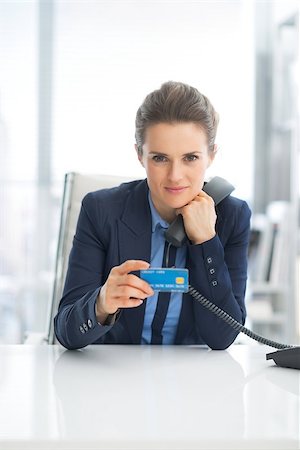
(125, 302)
(128, 291)
(203, 194)
(132, 280)
(135, 281)
(131, 265)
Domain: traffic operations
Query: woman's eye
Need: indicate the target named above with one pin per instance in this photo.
(191, 157)
(159, 158)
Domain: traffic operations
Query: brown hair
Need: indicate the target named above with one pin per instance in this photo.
(176, 102)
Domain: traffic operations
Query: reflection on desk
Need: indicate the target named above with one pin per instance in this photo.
(146, 397)
(163, 392)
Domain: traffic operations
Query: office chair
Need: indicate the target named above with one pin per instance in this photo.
(76, 185)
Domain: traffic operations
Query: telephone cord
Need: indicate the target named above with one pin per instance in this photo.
(232, 322)
(226, 317)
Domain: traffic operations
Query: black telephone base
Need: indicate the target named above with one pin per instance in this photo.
(287, 357)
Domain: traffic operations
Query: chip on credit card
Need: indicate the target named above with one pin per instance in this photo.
(167, 279)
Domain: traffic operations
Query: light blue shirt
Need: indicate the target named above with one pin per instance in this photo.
(157, 250)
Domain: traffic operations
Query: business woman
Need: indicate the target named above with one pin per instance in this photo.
(121, 230)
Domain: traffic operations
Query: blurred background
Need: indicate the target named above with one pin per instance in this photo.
(72, 75)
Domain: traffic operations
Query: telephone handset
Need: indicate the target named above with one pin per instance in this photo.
(217, 188)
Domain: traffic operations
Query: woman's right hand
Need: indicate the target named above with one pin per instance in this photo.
(122, 289)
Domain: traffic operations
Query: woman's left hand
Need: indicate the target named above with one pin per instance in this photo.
(199, 218)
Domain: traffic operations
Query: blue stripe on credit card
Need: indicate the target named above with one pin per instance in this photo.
(168, 280)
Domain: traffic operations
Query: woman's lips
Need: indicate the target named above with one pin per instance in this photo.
(175, 190)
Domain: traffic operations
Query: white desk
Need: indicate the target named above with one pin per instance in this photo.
(143, 397)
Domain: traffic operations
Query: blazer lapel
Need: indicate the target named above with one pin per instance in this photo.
(134, 238)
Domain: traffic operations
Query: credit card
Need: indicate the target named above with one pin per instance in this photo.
(167, 279)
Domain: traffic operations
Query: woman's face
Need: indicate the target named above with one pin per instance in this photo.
(175, 157)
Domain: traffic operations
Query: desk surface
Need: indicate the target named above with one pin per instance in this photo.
(146, 397)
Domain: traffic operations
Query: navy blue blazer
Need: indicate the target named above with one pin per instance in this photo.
(114, 225)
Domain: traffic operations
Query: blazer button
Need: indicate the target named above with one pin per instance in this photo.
(90, 324)
(214, 282)
(85, 326)
(212, 271)
(209, 260)
(81, 329)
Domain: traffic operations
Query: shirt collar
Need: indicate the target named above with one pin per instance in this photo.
(156, 219)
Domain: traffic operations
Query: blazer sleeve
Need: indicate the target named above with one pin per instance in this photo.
(219, 272)
(75, 323)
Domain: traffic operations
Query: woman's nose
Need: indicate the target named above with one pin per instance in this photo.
(175, 172)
